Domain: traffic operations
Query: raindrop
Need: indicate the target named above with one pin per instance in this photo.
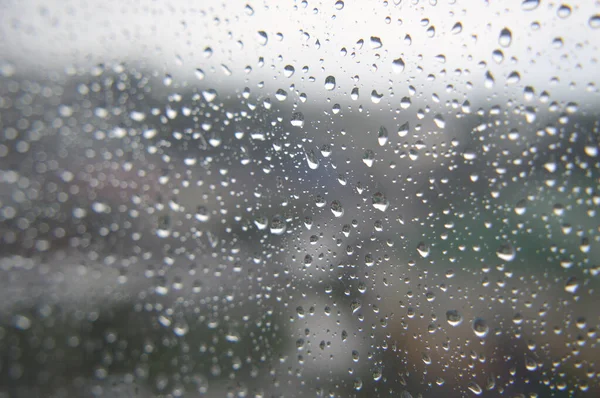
(505, 38)
(439, 121)
(281, 95)
(308, 260)
(376, 42)
(571, 285)
(382, 137)
(277, 226)
(480, 327)
(398, 65)
(202, 214)
(475, 388)
(564, 11)
(454, 318)
(297, 119)
(369, 158)
(520, 207)
(506, 252)
(288, 71)
(263, 38)
(380, 202)
(591, 150)
(529, 5)
(530, 364)
(376, 97)
(329, 83)
(403, 130)
(336, 208)
(311, 159)
(457, 28)
(594, 21)
(423, 249)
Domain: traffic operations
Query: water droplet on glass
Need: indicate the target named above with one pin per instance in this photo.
(288, 71)
(480, 327)
(506, 252)
(202, 214)
(375, 42)
(571, 285)
(380, 202)
(382, 137)
(329, 83)
(339, 5)
(505, 38)
(403, 130)
(398, 65)
(454, 318)
(423, 249)
(297, 119)
(337, 209)
(564, 11)
(529, 5)
(376, 97)
(520, 207)
(591, 150)
(530, 364)
(457, 28)
(474, 388)
(369, 158)
(277, 226)
(311, 160)
(263, 38)
(439, 121)
(281, 95)
(594, 21)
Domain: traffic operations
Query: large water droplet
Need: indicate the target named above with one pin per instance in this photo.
(454, 318)
(380, 202)
(311, 160)
(297, 119)
(506, 252)
(382, 137)
(423, 249)
(337, 209)
(329, 83)
(505, 38)
(398, 65)
(529, 5)
(480, 327)
(369, 158)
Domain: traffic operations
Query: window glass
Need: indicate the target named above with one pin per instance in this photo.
(299, 198)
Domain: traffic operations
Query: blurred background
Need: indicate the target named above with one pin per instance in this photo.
(289, 199)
